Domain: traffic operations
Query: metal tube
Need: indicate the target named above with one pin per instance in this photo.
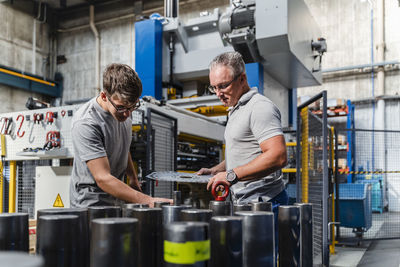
(159, 204)
(261, 206)
(177, 196)
(221, 208)
(196, 215)
(171, 8)
(173, 213)
(149, 235)
(306, 234)
(57, 240)
(226, 241)
(114, 242)
(289, 236)
(258, 238)
(186, 244)
(96, 212)
(127, 208)
(20, 259)
(241, 207)
(82, 231)
(14, 232)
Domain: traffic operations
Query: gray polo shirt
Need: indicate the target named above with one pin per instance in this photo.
(95, 134)
(253, 120)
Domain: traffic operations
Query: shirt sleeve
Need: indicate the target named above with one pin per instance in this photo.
(265, 121)
(88, 141)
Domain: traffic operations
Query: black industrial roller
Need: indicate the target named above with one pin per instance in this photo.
(306, 234)
(226, 241)
(127, 208)
(149, 235)
(159, 204)
(177, 197)
(14, 231)
(186, 244)
(96, 212)
(82, 232)
(261, 206)
(114, 242)
(57, 240)
(172, 213)
(196, 215)
(221, 208)
(258, 238)
(241, 207)
(20, 259)
(289, 236)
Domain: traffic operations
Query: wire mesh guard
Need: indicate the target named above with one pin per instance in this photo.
(372, 162)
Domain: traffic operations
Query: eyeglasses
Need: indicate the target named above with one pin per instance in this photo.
(214, 88)
(124, 109)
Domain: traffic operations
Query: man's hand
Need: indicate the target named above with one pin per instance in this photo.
(204, 171)
(159, 199)
(220, 178)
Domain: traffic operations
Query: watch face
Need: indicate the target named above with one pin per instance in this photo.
(230, 176)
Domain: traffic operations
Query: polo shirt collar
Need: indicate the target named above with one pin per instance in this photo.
(244, 99)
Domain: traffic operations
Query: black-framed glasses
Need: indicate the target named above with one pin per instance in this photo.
(124, 109)
(213, 89)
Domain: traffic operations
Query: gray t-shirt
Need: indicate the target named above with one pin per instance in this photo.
(253, 120)
(95, 134)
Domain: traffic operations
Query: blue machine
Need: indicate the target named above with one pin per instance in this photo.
(355, 206)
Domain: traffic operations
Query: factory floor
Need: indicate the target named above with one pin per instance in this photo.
(378, 253)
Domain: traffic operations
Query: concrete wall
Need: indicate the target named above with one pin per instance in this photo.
(16, 52)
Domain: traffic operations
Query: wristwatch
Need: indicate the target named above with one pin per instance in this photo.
(231, 177)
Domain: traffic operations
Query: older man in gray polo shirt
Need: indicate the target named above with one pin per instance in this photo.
(255, 145)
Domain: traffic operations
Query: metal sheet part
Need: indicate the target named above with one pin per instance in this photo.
(114, 242)
(183, 232)
(289, 236)
(171, 176)
(221, 208)
(57, 240)
(20, 259)
(149, 235)
(14, 232)
(258, 238)
(82, 231)
(306, 234)
(261, 206)
(173, 213)
(177, 197)
(196, 215)
(96, 212)
(241, 207)
(226, 241)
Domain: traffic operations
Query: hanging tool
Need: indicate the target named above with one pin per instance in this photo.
(52, 140)
(6, 125)
(37, 117)
(49, 117)
(20, 125)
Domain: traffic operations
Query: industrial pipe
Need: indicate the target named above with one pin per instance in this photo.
(221, 208)
(173, 213)
(177, 197)
(306, 234)
(97, 36)
(289, 236)
(196, 215)
(261, 206)
(241, 207)
(96, 212)
(14, 232)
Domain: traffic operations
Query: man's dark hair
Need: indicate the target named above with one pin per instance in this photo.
(122, 81)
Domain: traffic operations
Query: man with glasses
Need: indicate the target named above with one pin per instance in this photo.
(255, 145)
(101, 137)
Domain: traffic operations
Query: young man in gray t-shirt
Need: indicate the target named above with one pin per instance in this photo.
(101, 137)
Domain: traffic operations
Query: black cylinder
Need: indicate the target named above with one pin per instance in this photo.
(241, 207)
(14, 231)
(82, 232)
(114, 242)
(221, 208)
(306, 234)
(261, 206)
(177, 197)
(226, 241)
(127, 208)
(20, 259)
(149, 235)
(97, 212)
(159, 204)
(57, 240)
(258, 238)
(289, 236)
(196, 215)
(186, 244)
(173, 213)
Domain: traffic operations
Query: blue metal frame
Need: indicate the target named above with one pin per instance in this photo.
(255, 76)
(25, 83)
(148, 56)
(350, 141)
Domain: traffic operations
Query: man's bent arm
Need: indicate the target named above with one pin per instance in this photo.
(131, 174)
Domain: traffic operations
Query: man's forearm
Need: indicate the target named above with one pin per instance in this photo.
(219, 167)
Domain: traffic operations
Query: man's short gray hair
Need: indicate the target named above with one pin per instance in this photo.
(232, 60)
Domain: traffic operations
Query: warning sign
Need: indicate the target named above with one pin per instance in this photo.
(58, 202)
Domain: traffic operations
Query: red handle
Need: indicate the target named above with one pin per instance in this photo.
(20, 125)
(226, 190)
